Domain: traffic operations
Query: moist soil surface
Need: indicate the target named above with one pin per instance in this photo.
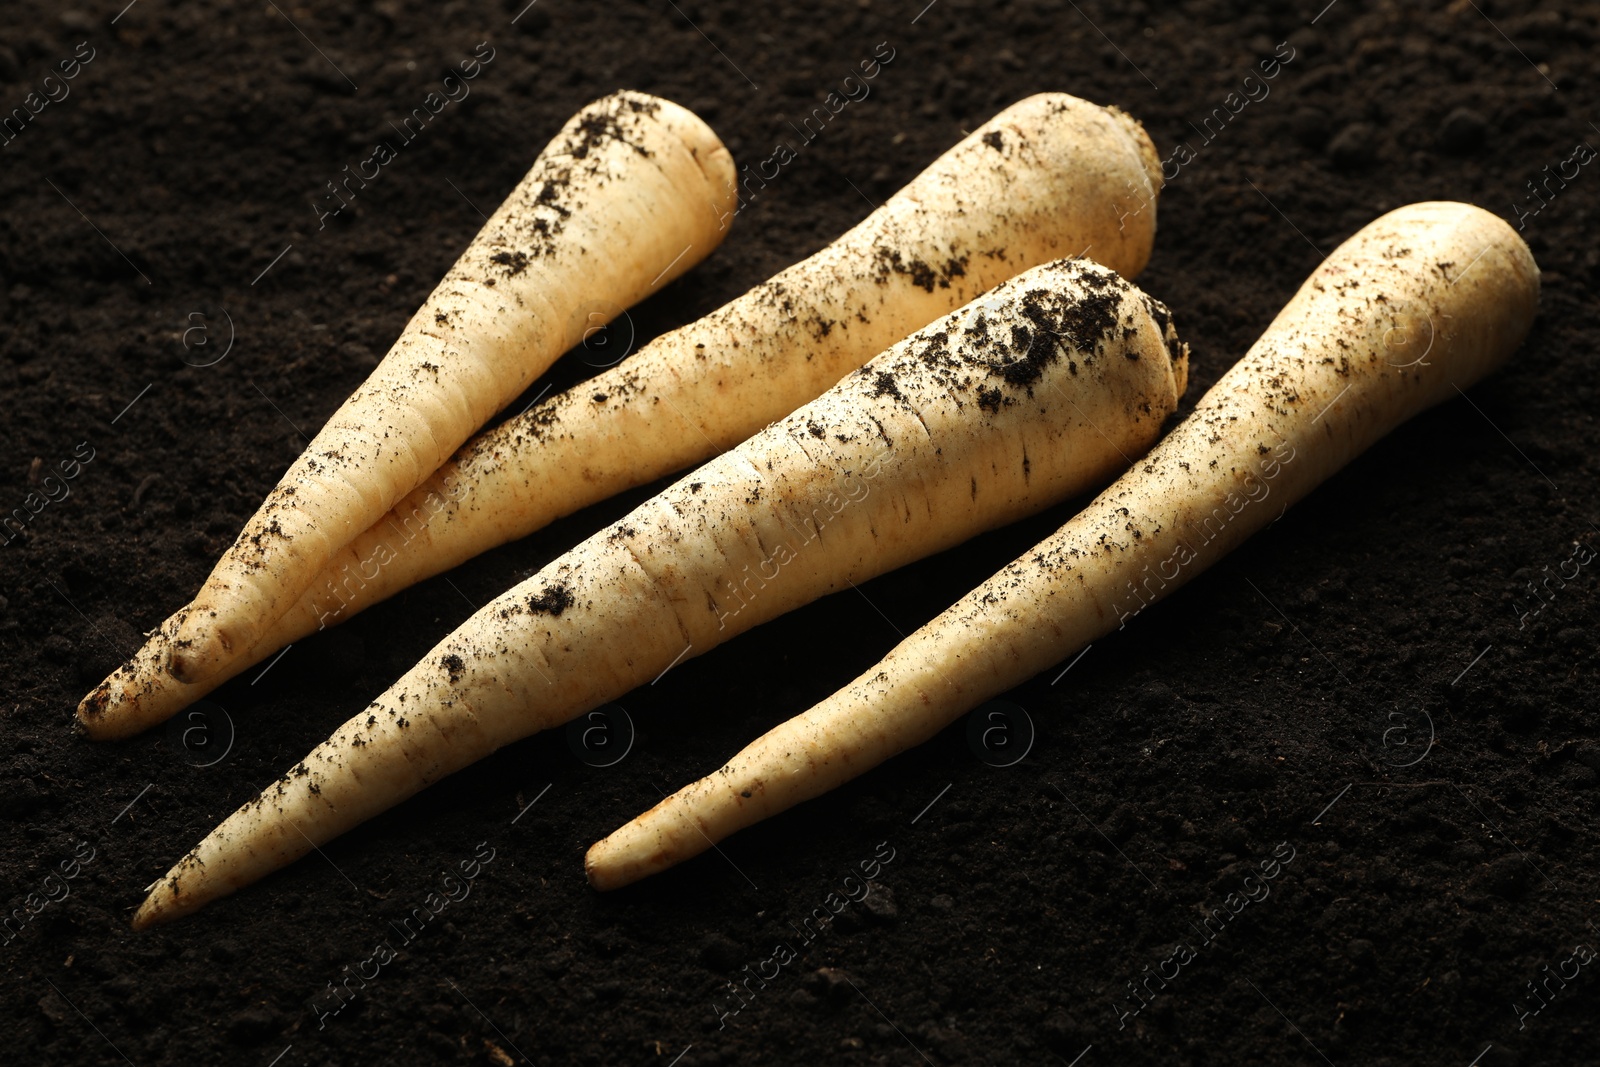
(1366, 697)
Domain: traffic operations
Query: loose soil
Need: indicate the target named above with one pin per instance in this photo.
(1368, 687)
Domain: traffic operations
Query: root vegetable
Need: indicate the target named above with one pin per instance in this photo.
(1423, 301)
(632, 192)
(1050, 176)
(1014, 402)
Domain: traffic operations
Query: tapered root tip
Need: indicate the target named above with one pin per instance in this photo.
(605, 872)
(108, 713)
(137, 695)
(164, 903)
(92, 709)
(665, 836)
(152, 912)
(634, 852)
(145, 917)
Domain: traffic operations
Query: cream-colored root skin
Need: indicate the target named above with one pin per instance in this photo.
(1422, 302)
(633, 191)
(1000, 409)
(1050, 176)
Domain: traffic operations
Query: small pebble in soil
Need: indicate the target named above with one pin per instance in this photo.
(1504, 877)
(879, 903)
(1310, 128)
(1156, 696)
(53, 1008)
(252, 1025)
(1063, 1033)
(1502, 1056)
(19, 796)
(1462, 131)
(829, 983)
(358, 354)
(1351, 147)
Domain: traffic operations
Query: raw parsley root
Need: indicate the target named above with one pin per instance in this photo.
(1010, 404)
(633, 191)
(1423, 301)
(1050, 176)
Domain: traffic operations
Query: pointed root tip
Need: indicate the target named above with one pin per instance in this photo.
(148, 915)
(621, 859)
(91, 717)
(105, 715)
(162, 904)
(594, 867)
(603, 866)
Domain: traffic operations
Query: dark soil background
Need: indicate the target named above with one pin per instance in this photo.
(1359, 685)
